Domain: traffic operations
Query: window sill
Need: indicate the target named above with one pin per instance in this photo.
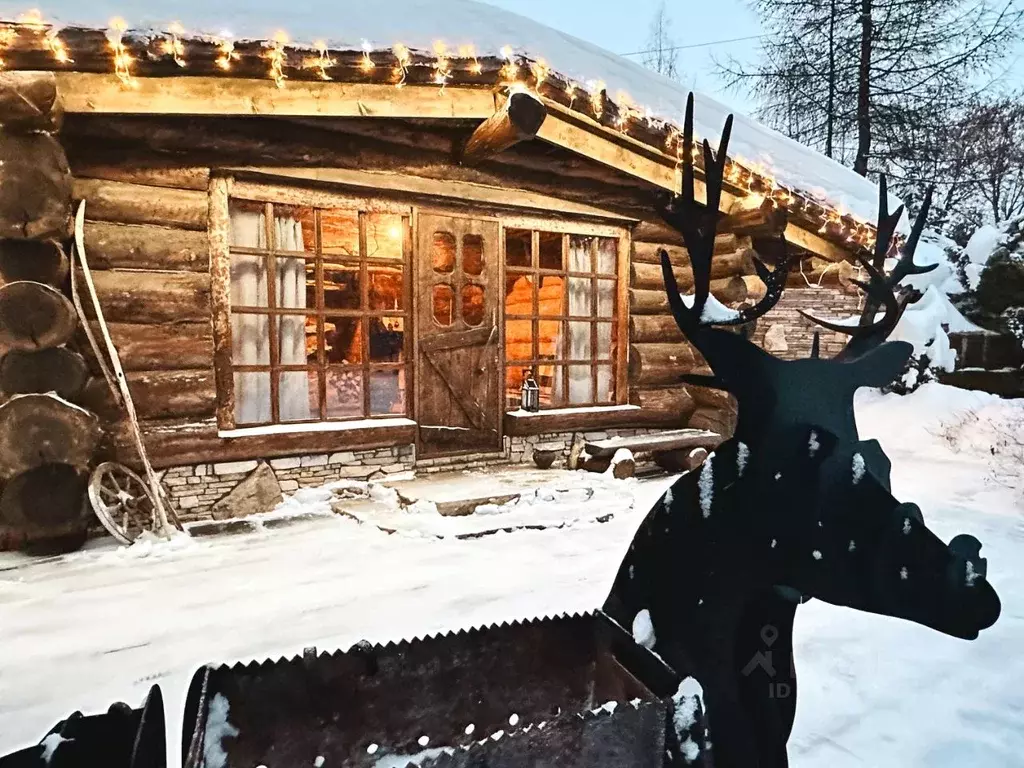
(585, 417)
(319, 426)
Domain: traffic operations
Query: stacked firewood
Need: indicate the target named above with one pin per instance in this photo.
(47, 442)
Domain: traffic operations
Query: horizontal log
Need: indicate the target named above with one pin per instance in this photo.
(29, 101)
(35, 316)
(582, 420)
(145, 246)
(755, 216)
(165, 346)
(152, 297)
(658, 364)
(57, 370)
(654, 328)
(38, 261)
(708, 397)
(142, 172)
(126, 203)
(724, 265)
(44, 429)
(655, 302)
(178, 442)
(648, 252)
(35, 197)
(714, 420)
(674, 404)
(157, 395)
(657, 232)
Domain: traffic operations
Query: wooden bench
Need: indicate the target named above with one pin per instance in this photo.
(674, 451)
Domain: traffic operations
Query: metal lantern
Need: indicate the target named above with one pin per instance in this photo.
(530, 393)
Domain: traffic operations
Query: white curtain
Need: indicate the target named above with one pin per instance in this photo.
(250, 338)
(580, 295)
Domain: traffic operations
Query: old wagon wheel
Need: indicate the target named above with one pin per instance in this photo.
(122, 501)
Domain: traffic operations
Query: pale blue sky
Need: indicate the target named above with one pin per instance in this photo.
(622, 27)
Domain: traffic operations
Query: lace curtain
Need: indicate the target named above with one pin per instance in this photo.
(250, 337)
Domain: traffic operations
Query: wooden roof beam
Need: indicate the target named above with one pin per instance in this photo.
(518, 120)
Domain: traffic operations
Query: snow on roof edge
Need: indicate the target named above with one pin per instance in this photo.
(419, 24)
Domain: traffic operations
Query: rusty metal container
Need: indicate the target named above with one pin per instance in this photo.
(573, 692)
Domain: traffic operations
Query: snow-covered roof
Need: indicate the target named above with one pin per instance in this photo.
(419, 24)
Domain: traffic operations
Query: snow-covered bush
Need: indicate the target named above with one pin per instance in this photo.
(992, 269)
(918, 371)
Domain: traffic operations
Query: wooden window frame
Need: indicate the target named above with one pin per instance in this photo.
(620, 347)
(223, 191)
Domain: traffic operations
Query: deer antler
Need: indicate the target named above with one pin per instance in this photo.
(698, 225)
(881, 290)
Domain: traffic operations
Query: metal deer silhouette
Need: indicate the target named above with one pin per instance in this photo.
(793, 506)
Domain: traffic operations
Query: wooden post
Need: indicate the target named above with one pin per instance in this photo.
(518, 120)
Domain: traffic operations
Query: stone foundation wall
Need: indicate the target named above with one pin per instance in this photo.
(786, 334)
(195, 489)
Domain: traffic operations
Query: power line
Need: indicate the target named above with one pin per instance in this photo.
(695, 45)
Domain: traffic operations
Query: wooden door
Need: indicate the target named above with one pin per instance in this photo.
(458, 371)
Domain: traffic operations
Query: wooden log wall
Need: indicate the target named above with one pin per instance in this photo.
(47, 442)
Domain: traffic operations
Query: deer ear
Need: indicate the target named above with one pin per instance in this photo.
(882, 364)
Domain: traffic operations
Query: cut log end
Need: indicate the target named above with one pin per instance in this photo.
(38, 261)
(43, 510)
(35, 316)
(519, 120)
(44, 429)
(56, 370)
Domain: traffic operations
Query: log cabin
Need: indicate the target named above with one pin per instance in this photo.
(342, 257)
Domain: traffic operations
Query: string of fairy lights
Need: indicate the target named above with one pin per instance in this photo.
(444, 62)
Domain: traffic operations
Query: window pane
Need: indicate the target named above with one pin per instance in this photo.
(518, 248)
(519, 339)
(579, 253)
(312, 340)
(341, 285)
(443, 257)
(472, 254)
(387, 339)
(339, 233)
(581, 385)
(605, 384)
(293, 276)
(551, 303)
(607, 255)
(344, 393)
(291, 338)
(473, 304)
(298, 395)
(387, 392)
(386, 288)
(579, 341)
(550, 379)
(580, 295)
(248, 281)
(247, 224)
(604, 341)
(444, 304)
(252, 398)
(550, 250)
(250, 339)
(518, 294)
(514, 376)
(294, 229)
(385, 235)
(606, 298)
(344, 339)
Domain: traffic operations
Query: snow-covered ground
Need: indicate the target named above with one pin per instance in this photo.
(104, 624)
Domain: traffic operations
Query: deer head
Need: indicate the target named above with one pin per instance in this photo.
(787, 406)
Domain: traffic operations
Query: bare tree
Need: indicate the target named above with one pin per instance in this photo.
(995, 135)
(660, 53)
(875, 83)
